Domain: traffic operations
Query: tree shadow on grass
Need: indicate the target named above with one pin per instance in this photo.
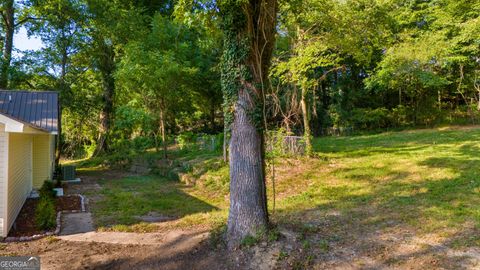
(122, 200)
(395, 223)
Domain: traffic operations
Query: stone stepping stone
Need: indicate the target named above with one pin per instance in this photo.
(74, 223)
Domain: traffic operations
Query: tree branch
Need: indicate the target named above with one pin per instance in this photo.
(4, 18)
(26, 19)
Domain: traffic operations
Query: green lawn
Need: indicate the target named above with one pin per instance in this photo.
(124, 199)
(424, 180)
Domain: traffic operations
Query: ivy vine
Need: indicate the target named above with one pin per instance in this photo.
(235, 55)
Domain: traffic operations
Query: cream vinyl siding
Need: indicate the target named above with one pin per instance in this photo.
(3, 178)
(42, 159)
(19, 173)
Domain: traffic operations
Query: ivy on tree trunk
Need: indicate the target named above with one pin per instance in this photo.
(249, 35)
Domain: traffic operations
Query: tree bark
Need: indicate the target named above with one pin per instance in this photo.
(162, 128)
(478, 102)
(107, 68)
(225, 144)
(212, 116)
(248, 213)
(400, 96)
(439, 93)
(307, 133)
(9, 22)
(58, 138)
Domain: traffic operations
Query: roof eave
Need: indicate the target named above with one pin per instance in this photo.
(17, 126)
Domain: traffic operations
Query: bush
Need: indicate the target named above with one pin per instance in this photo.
(89, 149)
(185, 139)
(399, 116)
(369, 119)
(141, 143)
(45, 215)
(46, 191)
(219, 141)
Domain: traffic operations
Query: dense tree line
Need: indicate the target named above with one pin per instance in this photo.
(138, 72)
(377, 64)
(128, 73)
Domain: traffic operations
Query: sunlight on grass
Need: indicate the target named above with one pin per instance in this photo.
(427, 180)
(124, 202)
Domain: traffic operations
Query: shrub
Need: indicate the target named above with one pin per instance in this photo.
(369, 119)
(141, 143)
(219, 141)
(46, 191)
(45, 215)
(399, 116)
(185, 139)
(89, 149)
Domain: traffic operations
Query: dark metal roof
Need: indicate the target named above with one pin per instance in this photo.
(38, 109)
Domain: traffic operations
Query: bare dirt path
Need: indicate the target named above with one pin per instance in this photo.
(175, 239)
(60, 254)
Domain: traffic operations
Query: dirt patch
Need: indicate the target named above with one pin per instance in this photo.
(326, 246)
(345, 241)
(68, 203)
(174, 239)
(59, 254)
(25, 224)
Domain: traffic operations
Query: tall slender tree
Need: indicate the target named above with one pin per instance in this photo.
(8, 16)
(113, 24)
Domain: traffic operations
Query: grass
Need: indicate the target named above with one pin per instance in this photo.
(427, 180)
(126, 200)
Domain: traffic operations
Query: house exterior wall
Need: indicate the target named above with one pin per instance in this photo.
(3, 178)
(43, 159)
(20, 172)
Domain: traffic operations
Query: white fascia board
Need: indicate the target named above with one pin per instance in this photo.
(11, 125)
(14, 126)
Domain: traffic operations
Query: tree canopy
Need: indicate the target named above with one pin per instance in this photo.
(133, 70)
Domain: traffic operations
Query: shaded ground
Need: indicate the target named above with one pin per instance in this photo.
(25, 224)
(405, 200)
(59, 254)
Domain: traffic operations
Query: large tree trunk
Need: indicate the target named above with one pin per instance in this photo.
(9, 24)
(248, 213)
(107, 68)
(249, 31)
